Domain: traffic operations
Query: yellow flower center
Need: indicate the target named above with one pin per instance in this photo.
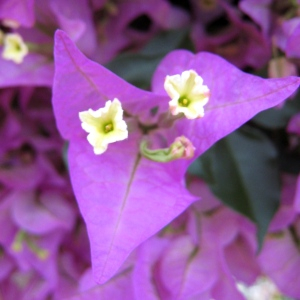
(183, 101)
(108, 127)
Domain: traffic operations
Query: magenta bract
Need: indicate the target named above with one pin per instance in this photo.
(123, 197)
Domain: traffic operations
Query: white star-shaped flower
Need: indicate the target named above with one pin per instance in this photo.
(105, 125)
(188, 94)
(14, 48)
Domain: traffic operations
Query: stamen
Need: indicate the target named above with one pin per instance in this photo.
(22, 237)
(183, 102)
(108, 127)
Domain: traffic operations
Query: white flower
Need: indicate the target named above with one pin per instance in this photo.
(262, 289)
(105, 125)
(14, 48)
(188, 94)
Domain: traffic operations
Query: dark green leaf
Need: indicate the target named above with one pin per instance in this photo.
(138, 68)
(135, 68)
(65, 154)
(275, 118)
(167, 41)
(242, 171)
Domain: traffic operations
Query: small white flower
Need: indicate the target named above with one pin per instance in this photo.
(14, 48)
(262, 289)
(105, 125)
(188, 94)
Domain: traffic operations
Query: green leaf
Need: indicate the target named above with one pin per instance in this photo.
(242, 171)
(138, 68)
(135, 68)
(275, 118)
(65, 154)
(167, 41)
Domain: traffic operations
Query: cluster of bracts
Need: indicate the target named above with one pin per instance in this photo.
(131, 226)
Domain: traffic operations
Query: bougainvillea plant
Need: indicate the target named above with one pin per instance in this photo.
(128, 192)
(149, 149)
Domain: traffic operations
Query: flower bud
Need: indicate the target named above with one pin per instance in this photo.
(180, 148)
